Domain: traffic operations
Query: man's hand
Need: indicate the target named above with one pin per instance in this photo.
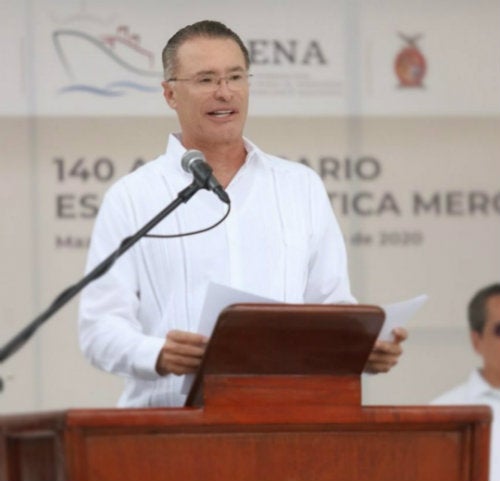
(181, 353)
(385, 354)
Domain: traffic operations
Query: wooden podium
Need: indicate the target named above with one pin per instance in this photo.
(277, 397)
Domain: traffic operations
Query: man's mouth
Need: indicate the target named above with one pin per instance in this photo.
(221, 113)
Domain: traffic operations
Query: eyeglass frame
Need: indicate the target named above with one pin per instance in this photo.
(218, 79)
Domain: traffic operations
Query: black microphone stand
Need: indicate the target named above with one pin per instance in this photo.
(25, 334)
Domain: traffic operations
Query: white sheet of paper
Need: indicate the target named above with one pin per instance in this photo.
(219, 297)
(398, 314)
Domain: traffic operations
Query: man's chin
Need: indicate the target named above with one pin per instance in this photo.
(225, 135)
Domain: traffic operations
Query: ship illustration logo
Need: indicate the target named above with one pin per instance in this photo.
(111, 66)
(410, 65)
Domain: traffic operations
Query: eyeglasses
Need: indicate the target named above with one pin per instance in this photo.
(210, 83)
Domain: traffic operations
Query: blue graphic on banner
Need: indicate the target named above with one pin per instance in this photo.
(111, 90)
(97, 64)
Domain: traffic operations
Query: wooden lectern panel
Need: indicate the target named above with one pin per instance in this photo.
(280, 345)
(255, 444)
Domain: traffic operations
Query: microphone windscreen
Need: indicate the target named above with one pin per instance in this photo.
(189, 157)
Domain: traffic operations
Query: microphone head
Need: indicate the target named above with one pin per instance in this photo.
(189, 157)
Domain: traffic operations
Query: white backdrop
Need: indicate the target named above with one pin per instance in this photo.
(412, 171)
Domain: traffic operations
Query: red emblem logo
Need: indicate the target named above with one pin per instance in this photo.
(410, 65)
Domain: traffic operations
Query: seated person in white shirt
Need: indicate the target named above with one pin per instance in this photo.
(281, 239)
(483, 385)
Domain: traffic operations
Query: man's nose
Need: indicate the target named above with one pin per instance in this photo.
(223, 90)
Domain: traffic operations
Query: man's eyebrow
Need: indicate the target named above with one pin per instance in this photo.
(213, 72)
(237, 69)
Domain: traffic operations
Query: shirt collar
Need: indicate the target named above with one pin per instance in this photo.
(175, 150)
(479, 386)
(252, 150)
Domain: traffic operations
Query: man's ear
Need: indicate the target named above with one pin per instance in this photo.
(169, 94)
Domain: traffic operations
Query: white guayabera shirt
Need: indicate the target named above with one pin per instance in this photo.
(281, 241)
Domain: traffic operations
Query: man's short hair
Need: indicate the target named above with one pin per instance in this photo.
(477, 307)
(204, 28)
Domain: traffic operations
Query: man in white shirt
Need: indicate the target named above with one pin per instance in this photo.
(483, 385)
(280, 241)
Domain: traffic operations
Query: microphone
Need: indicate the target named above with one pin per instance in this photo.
(193, 161)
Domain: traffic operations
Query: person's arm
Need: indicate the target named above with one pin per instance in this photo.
(111, 335)
(328, 278)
